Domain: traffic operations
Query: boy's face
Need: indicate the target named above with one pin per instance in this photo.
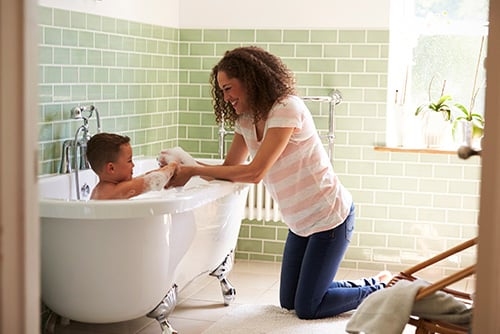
(123, 166)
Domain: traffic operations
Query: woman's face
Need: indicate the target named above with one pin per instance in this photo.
(234, 92)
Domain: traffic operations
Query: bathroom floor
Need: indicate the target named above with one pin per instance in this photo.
(201, 304)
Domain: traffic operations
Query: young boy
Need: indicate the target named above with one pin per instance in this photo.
(110, 156)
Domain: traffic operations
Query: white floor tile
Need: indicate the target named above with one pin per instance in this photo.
(201, 304)
(201, 310)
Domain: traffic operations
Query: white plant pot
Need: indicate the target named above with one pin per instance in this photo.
(436, 131)
(463, 133)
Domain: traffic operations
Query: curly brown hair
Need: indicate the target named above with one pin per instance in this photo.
(263, 75)
(103, 148)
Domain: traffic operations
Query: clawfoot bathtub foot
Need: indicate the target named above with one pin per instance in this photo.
(228, 291)
(166, 328)
(163, 310)
(50, 323)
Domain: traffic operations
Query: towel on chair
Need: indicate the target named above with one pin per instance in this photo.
(387, 311)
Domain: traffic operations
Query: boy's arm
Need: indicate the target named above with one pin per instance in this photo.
(154, 180)
(122, 190)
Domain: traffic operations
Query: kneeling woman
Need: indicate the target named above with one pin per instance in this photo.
(254, 90)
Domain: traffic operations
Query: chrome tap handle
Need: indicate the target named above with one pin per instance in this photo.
(82, 151)
(65, 164)
(77, 113)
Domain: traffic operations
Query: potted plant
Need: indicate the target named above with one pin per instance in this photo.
(440, 106)
(436, 121)
(472, 124)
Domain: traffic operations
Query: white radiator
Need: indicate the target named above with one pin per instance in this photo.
(260, 204)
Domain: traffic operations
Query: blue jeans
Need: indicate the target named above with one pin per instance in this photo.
(307, 271)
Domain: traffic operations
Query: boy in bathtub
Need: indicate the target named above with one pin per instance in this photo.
(110, 157)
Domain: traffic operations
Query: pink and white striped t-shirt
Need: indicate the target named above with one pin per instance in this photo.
(302, 181)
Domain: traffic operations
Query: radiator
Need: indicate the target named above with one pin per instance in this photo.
(260, 204)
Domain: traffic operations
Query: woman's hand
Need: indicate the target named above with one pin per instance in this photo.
(181, 176)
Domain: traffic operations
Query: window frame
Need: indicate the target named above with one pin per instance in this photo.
(405, 28)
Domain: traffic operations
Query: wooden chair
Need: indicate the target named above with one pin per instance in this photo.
(427, 326)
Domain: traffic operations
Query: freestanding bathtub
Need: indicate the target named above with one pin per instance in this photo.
(115, 260)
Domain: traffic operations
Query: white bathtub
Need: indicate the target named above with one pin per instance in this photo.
(115, 260)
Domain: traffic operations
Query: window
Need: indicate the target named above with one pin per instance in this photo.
(438, 47)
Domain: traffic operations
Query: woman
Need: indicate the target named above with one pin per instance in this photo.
(254, 91)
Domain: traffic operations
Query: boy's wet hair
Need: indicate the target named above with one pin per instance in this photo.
(103, 148)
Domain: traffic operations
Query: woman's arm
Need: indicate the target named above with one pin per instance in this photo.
(238, 151)
(233, 168)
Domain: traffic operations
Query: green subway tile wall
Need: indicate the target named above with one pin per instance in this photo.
(128, 70)
(151, 83)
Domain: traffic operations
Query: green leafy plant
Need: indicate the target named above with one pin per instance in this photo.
(467, 115)
(442, 105)
(474, 121)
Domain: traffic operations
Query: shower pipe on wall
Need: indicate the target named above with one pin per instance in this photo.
(333, 99)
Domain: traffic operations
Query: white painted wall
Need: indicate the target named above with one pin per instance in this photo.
(158, 12)
(260, 14)
(284, 14)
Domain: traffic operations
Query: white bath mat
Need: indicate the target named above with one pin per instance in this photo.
(271, 319)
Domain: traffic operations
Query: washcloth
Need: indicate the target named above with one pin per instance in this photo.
(176, 154)
(387, 311)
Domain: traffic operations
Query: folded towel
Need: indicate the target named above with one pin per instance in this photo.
(442, 306)
(387, 311)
